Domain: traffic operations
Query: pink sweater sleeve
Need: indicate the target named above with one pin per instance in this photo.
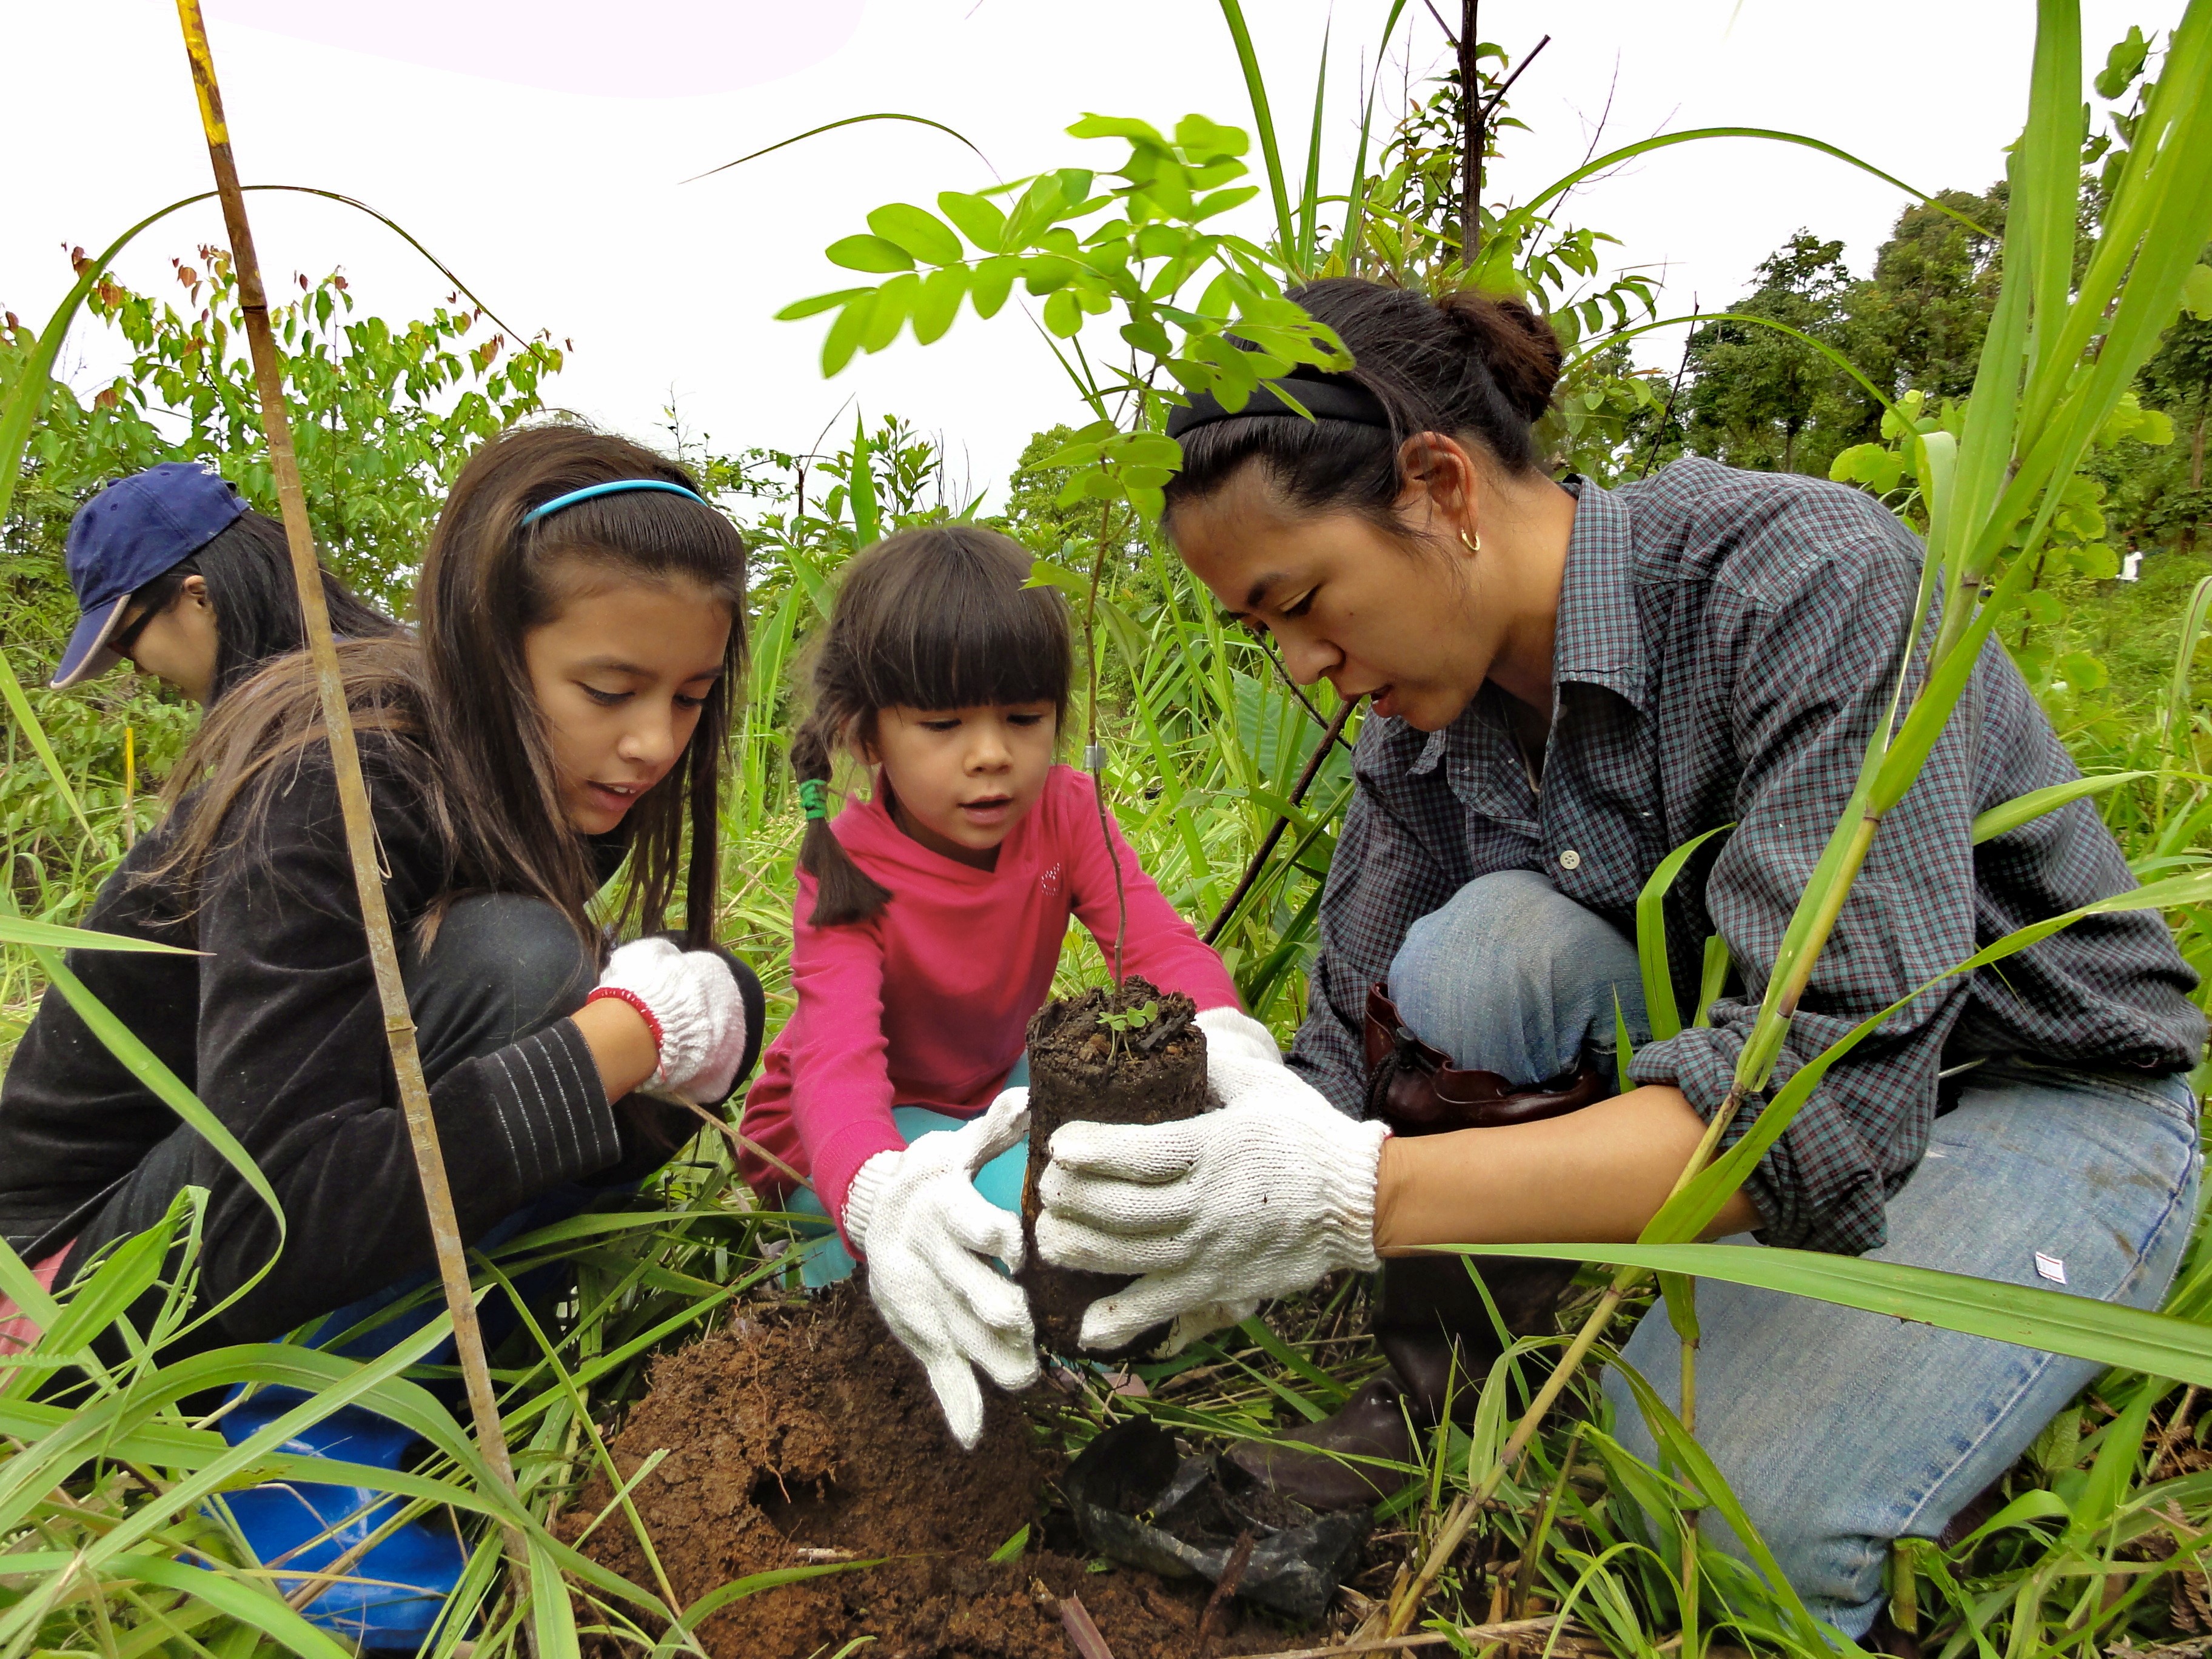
(1161, 945)
(841, 1085)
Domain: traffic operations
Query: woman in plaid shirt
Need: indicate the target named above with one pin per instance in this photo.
(1567, 683)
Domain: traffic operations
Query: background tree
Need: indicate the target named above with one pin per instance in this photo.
(1756, 392)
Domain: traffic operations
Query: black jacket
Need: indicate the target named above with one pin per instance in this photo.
(278, 1030)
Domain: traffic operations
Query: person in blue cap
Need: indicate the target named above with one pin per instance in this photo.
(175, 573)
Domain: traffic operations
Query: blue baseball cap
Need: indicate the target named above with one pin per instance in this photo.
(124, 537)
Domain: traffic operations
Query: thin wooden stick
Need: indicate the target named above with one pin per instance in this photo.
(1232, 1575)
(353, 793)
(739, 1143)
(1330, 733)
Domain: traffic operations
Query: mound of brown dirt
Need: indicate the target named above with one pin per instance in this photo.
(811, 1429)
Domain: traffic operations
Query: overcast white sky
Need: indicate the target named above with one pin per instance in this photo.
(539, 148)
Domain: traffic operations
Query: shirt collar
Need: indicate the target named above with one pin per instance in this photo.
(1601, 635)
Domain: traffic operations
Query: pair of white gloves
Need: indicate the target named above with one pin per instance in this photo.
(1218, 1214)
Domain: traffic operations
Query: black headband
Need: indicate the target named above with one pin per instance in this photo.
(1326, 397)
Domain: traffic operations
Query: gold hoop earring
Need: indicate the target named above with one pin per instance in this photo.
(1473, 543)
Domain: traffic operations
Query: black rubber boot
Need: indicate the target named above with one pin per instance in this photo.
(1432, 1325)
(1434, 1328)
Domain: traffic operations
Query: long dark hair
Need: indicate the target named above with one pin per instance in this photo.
(1470, 366)
(936, 618)
(247, 569)
(458, 700)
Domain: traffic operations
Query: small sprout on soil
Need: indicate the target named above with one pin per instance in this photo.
(1132, 1019)
(1138, 1029)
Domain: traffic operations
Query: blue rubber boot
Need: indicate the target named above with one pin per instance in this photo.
(392, 1597)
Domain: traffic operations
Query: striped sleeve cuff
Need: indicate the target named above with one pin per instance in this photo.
(550, 1110)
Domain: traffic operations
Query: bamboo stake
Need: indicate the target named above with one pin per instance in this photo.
(353, 793)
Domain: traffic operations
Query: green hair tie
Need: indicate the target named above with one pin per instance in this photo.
(814, 797)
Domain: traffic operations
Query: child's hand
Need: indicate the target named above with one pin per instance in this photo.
(927, 1233)
(691, 1002)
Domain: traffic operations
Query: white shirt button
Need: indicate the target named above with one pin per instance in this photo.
(1571, 859)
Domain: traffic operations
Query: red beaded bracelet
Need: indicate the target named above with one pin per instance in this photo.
(636, 1001)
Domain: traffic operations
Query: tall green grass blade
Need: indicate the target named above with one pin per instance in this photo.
(1681, 1448)
(144, 1065)
(22, 930)
(1310, 191)
(1291, 1360)
(2176, 715)
(831, 126)
(2113, 1471)
(2043, 207)
(1714, 980)
(20, 1285)
(2024, 808)
(1263, 120)
(11, 691)
(860, 490)
(2052, 1320)
(1686, 1215)
(1612, 337)
(1612, 159)
(251, 1604)
(1651, 937)
(101, 1298)
(755, 1583)
(1356, 192)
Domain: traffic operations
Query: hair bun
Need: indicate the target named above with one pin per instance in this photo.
(1517, 345)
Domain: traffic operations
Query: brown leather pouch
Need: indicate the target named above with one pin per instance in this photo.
(1417, 1091)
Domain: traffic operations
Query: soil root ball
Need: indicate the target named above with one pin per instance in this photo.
(803, 1430)
(1083, 1069)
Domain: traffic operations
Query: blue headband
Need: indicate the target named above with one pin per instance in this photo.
(616, 487)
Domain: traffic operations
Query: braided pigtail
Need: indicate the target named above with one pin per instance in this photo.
(842, 891)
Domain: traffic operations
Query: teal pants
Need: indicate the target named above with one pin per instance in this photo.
(822, 1257)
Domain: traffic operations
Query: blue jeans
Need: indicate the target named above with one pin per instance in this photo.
(1839, 1430)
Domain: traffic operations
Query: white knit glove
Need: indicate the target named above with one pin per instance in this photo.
(691, 1004)
(1217, 1212)
(927, 1233)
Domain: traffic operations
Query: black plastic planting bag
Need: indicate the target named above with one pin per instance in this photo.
(1135, 1500)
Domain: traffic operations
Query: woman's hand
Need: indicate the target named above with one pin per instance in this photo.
(927, 1234)
(691, 1004)
(1217, 1212)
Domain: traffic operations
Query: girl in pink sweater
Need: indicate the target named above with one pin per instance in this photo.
(928, 924)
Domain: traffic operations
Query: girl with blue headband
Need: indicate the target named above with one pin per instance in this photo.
(561, 717)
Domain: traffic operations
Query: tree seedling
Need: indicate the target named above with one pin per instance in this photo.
(1128, 1021)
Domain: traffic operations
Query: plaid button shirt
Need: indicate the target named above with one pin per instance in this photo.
(1726, 642)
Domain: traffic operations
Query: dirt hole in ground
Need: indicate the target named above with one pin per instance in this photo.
(809, 1428)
